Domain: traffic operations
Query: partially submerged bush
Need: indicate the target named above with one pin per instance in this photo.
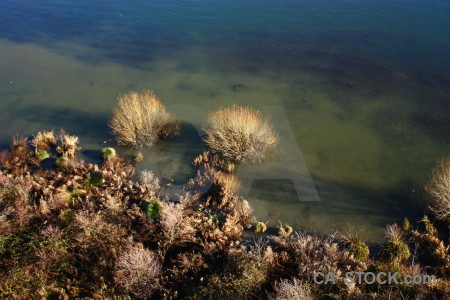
(141, 120)
(439, 190)
(239, 133)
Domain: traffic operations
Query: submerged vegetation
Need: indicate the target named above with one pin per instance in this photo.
(86, 230)
(141, 120)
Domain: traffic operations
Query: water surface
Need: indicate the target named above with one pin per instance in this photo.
(365, 86)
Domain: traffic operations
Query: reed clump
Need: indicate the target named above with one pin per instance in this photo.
(239, 133)
(438, 190)
(141, 120)
(354, 242)
(108, 153)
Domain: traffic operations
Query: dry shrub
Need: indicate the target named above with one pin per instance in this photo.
(214, 161)
(432, 249)
(172, 221)
(137, 271)
(149, 184)
(119, 166)
(239, 133)
(69, 145)
(291, 290)
(218, 189)
(141, 119)
(439, 190)
(44, 140)
(311, 253)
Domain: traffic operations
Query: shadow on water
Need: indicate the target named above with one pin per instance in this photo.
(79, 122)
(93, 156)
(340, 204)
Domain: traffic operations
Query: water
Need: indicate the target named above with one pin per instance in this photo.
(365, 85)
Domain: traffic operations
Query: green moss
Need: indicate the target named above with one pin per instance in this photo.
(67, 215)
(359, 250)
(396, 251)
(285, 231)
(406, 226)
(108, 153)
(240, 279)
(61, 164)
(42, 155)
(153, 208)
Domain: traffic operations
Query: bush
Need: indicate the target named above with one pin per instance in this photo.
(44, 140)
(61, 164)
(108, 153)
(359, 250)
(260, 227)
(239, 133)
(396, 251)
(42, 155)
(439, 190)
(291, 290)
(137, 270)
(141, 119)
(153, 209)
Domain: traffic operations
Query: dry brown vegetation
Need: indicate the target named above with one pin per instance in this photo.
(239, 134)
(90, 231)
(439, 190)
(141, 120)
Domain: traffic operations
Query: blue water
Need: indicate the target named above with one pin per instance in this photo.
(365, 85)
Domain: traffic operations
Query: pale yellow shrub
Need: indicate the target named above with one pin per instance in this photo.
(239, 133)
(141, 119)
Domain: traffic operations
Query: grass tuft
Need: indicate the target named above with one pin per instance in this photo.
(239, 133)
(141, 120)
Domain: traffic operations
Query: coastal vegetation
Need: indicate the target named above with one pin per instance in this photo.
(439, 190)
(239, 133)
(141, 120)
(73, 229)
